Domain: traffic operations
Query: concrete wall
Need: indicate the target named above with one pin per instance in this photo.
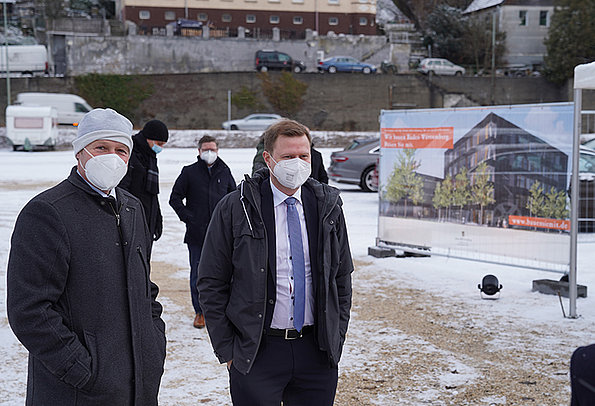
(139, 54)
(348, 102)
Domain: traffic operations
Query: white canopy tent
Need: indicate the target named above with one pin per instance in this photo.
(584, 78)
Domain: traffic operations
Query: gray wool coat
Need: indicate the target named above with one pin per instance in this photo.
(81, 301)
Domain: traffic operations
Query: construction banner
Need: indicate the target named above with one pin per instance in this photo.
(488, 183)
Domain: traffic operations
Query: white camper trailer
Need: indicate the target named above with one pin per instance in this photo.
(31, 127)
(24, 59)
(71, 108)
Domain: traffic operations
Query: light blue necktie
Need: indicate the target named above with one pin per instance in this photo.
(297, 260)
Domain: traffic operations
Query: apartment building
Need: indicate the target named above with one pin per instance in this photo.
(525, 22)
(292, 16)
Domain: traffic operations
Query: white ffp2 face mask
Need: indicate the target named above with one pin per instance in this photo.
(105, 171)
(208, 156)
(292, 173)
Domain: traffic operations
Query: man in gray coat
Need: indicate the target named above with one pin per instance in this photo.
(274, 279)
(80, 298)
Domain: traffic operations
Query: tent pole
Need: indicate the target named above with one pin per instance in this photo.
(574, 196)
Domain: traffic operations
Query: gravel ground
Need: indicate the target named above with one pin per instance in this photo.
(406, 346)
(437, 351)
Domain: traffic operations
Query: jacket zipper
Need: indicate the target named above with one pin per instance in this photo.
(266, 265)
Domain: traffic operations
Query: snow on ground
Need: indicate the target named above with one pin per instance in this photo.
(192, 373)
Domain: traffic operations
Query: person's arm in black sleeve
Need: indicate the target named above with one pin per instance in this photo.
(343, 277)
(178, 194)
(37, 275)
(133, 181)
(322, 175)
(231, 183)
(215, 272)
(158, 225)
(318, 171)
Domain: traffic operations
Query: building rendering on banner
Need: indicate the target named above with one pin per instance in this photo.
(515, 160)
(293, 16)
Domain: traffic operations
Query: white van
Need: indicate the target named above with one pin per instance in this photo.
(25, 59)
(71, 108)
(31, 127)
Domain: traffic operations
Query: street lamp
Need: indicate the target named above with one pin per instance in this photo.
(6, 49)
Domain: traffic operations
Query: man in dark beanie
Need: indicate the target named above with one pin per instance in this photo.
(142, 178)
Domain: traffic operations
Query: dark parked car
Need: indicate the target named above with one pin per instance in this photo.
(356, 164)
(274, 60)
(344, 64)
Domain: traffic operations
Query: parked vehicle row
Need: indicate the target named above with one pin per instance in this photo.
(265, 60)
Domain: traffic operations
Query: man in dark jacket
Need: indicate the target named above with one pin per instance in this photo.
(80, 298)
(142, 178)
(202, 185)
(275, 279)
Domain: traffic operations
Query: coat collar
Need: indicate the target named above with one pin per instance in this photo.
(75, 179)
(327, 196)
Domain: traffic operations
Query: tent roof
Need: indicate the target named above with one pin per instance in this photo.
(584, 76)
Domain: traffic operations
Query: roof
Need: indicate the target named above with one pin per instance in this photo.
(477, 5)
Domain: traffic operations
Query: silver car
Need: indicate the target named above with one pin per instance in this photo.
(253, 122)
(356, 164)
(440, 66)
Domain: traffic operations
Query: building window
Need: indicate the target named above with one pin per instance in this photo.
(226, 18)
(250, 18)
(333, 21)
(543, 18)
(523, 17)
(144, 14)
(363, 21)
(333, 1)
(274, 19)
(170, 15)
(202, 17)
(297, 20)
(297, 1)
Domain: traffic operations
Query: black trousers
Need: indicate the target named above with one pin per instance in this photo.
(582, 376)
(293, 371)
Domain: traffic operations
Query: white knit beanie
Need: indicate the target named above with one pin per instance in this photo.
(103, 124)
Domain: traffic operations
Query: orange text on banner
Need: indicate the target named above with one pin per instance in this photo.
(437, 137)
(553, 224)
